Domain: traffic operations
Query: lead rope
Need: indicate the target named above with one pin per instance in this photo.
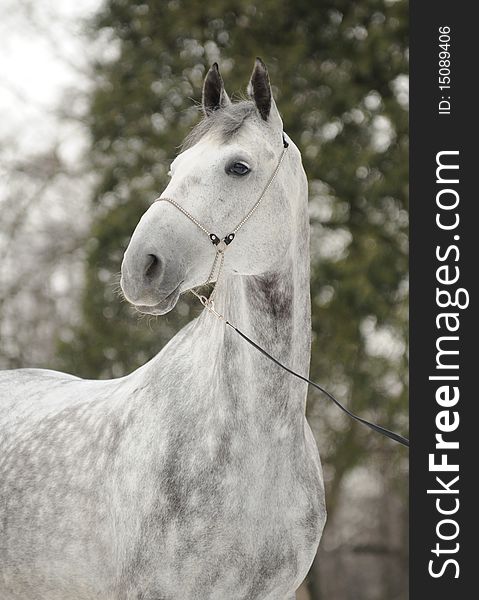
(378, 428)
(215, 273)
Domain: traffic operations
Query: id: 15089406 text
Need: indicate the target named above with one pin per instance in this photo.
(444, 70)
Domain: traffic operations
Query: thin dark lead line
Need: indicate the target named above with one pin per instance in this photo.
(382, 430)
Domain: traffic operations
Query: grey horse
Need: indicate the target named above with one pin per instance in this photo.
(196, 477)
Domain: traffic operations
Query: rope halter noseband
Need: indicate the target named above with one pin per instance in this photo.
(222, 244)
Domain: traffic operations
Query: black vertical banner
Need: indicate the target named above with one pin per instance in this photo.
(443, 306)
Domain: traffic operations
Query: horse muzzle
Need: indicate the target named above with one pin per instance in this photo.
(148, 284)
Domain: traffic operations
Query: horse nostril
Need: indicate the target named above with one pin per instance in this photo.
(152, 267)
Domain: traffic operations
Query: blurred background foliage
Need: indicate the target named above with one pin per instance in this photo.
(339, 74)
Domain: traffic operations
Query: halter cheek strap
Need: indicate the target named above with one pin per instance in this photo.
(222, 244)
(215, 240)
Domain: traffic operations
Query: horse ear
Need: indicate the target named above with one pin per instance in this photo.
(259, 89)
(214, 94)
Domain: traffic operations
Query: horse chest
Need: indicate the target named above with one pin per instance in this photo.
(228, 520)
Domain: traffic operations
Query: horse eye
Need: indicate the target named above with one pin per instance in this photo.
(238, 168)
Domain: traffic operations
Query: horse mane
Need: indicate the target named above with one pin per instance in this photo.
(226, 122)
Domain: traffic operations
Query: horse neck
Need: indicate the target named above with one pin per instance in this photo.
(274, 311)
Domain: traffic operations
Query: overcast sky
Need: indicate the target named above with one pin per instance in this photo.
(42, 52)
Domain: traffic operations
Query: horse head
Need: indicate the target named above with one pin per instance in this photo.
(225, 165)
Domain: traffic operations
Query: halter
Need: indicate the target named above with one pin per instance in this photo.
(221, 245)
(216, 269)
